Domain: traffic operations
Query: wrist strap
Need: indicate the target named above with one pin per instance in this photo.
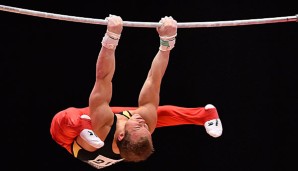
(167, 43)
(168, 37)
(110, 40)
(113, 35)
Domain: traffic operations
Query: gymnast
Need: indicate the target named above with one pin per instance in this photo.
(101, 135)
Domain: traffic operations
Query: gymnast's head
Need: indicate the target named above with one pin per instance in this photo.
(135, 141)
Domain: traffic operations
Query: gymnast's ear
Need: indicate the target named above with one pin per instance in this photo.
(121, 136)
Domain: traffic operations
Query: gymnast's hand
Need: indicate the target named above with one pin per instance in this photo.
(115, 24)
(168, 27)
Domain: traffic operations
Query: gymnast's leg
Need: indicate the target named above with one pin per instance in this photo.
(171, 115)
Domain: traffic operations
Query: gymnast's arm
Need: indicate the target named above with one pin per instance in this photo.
(100, 97)
(149, 95)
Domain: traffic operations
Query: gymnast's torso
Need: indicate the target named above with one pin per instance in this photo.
(103, 156)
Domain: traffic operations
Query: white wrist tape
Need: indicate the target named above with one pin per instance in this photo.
(168, 37)
(113, 35)
(167, 43)
(110, 40)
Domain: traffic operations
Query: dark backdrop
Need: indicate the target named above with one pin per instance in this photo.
(248, 72)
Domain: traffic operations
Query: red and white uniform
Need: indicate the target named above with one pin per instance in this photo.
(68, 124)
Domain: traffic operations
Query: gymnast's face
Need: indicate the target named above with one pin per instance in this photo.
(137, 126)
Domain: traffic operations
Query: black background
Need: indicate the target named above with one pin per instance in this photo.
(248, 72)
